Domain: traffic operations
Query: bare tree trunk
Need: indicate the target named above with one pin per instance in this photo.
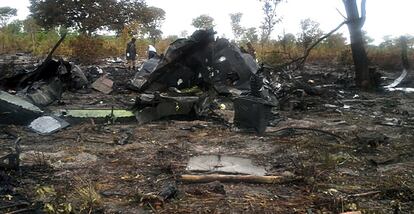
(32, 35)
(359, 55)
(404, 53)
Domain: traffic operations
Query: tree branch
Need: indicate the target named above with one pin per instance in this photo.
(363, 13)
(302, 59)
(340, 13)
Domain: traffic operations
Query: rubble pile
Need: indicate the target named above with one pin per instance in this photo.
(185, 81)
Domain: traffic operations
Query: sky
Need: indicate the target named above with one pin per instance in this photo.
(384, 17)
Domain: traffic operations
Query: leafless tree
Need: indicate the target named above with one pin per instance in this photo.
(270, 18)
(237, 29)
(355, 22)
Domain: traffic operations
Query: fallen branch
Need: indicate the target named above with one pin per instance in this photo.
(309, 129)
(28, 210)
(302, 59)
(365, 194)
(236, 178)
(14, 205)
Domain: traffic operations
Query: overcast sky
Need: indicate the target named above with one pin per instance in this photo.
(384, 17)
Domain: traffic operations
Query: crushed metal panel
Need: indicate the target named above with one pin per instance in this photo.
(164, 106)
(148, 67)
(408, 90)
(15, 110)
(103, 84)
(175, 62)
(47, 125)
(398, 80)
(162, 110)
(98, 115)
(231, 65)
(252, 113)
(224, 164)
(43, 94)
(78, 78)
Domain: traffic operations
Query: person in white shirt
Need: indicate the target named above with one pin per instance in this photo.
(152, 52)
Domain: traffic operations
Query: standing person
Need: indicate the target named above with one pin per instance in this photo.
(131, 54)
(152, 52)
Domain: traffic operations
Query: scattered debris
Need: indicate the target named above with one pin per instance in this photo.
(252, 112)
(103, 84)
(202, 78)
(12, 161)
(168, 192)
(236, 179)
(45, 93)
(15, 110)
(98, 115)
(215, 187)
(352, 212)
(124, 137)
(397, 81)
(224, 164)
(48, 125)
(154, 107)
(371, 139)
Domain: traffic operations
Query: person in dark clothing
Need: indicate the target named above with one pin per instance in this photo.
(131, 54)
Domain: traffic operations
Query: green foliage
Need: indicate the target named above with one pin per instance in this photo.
(310, 32)
(237, 29)
(86, 16)
(11, 37)
(28, 36)
(184, 34)
(5, 14)
(270, 18)
(388, 54)
(288, 42)
(87, 198)
(88, 49)
(203, 22)
(153, 25)
(52, 201)
(250, 35)
(89, 16)
(367, 40)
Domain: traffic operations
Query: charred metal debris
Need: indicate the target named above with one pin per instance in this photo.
(195, 78)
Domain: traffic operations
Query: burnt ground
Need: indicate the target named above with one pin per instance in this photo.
(366, 165)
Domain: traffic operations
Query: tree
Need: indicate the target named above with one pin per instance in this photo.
(83, 15)
(310, 32)
(203, 22)
(237, 29)
(89, 16)
(288, 42)
(367, 39)
(5, 14)
(152, 23)
(336, 41)
(250, 35)
(184, 34)
(270, 18)
(355, 22)
(387, 43)
(31, 27)
(15, 27)
(141, 20)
